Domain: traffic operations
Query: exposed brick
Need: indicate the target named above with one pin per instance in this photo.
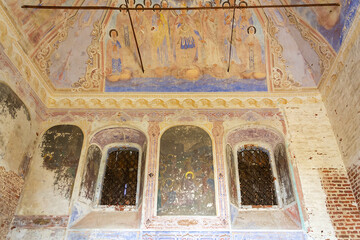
(346, 215)
(11, 186)
(354, 173)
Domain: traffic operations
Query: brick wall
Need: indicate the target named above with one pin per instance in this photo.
(340, 203)
(10, 188)
(354, 177)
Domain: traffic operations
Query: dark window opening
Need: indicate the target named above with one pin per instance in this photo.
(256, 178)
(120, 180)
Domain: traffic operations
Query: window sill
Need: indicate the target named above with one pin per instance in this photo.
(114, 217)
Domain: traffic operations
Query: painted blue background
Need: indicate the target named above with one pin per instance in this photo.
(171, 84)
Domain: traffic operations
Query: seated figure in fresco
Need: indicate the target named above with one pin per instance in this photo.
(186, 47)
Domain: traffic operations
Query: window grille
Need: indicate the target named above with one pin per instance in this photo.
(256, 178)
(120, 180)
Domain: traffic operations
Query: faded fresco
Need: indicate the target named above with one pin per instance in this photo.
(118, 134)
(60, 149)
(332, 22)
(88, 184)
(184, 51)
(35, 23)
(186, 173)
(11, 103)
(16, 131)
(282, 168)
(62, 70)
(231, 175)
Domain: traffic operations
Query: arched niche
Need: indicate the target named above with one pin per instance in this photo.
(270, 143)
(275, 142)
(102, 145)
(89, 212)
(186, 174)
(52, 173)
(60, 149)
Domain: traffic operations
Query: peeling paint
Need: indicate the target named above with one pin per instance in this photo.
(60, 150)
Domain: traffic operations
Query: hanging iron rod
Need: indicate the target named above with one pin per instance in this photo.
(136, 42)
(178, 8)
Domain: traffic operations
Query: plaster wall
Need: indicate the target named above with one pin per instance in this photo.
(17, 134)
(309, 140)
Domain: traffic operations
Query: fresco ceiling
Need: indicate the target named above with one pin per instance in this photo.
(182, 51)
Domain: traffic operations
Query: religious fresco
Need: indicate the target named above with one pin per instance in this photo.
(184, 50)
(60, 149)
(231, 175)
(186, 173)
(88, 184)
(332, 22)
(282, 168)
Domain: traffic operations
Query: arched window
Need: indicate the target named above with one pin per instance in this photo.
(113, 180)
(186, 173)
(255, 176)
(115, 168)
(258, 157)
(259, 177)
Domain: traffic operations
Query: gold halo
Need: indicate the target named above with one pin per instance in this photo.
(48, 155)
(189, 172)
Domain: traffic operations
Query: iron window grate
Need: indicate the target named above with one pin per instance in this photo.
(256, 178)
(120, 180)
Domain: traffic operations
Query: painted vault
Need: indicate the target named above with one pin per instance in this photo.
(182, 51)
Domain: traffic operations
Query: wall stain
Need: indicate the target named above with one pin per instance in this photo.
(24, 166)
(61, 148)
(11, 102)
(282, 167)
(142, 174)
(231, 175)
(93, 160)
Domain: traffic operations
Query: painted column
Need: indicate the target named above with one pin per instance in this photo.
(218, 134)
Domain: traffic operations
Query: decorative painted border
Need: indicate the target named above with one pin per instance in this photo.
(188, 235)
